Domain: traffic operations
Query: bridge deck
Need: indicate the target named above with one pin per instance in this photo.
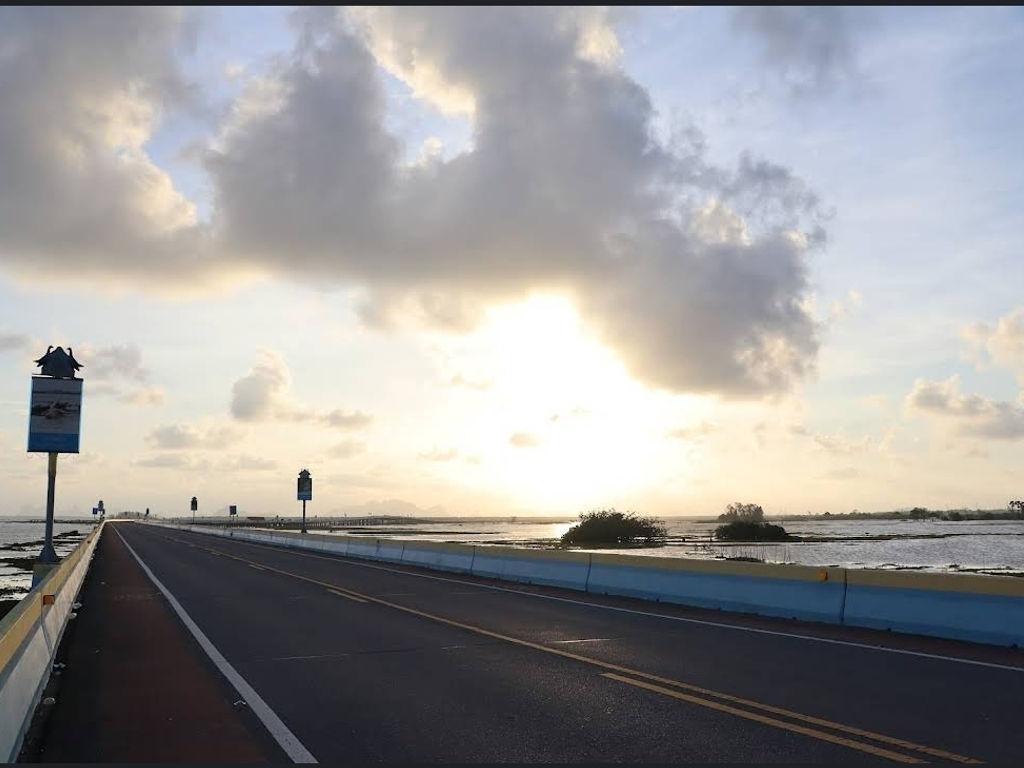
(368, 662)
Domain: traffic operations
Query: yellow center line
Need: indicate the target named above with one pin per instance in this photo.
(871, 749)
(802, 729)
(343, 594)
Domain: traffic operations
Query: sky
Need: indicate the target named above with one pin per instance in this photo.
(516, 261)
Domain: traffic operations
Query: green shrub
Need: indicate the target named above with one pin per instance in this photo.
(742, 530)
(607, 526)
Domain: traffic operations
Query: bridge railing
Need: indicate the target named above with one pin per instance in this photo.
(29, 637)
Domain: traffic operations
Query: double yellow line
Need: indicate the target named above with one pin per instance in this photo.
(766, 714)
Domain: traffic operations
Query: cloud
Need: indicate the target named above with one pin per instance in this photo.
(696, 274)
(1002, 343)
(565, 186)
(116, 363)
(169, 461)
(346, 449)
(259, 395)
(185, 436)
(117, 371)
(263, 395)
(524, 440)
(246, 463)
(440, 455)
(970, 415)
(14, 342)
(79, 189)
(480, 385)
(813, 49)
(345, 420)
(144, 397)
(695, 432)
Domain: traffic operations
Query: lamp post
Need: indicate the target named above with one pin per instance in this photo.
(305, 493)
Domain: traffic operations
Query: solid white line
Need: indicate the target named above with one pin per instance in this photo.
(701, 622)
(281, 733)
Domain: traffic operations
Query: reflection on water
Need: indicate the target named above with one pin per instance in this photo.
(989, 546)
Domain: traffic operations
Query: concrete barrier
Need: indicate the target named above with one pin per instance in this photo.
(533, 566)
(984, 609)
(790, 591)
(454, 558)
(29, 637)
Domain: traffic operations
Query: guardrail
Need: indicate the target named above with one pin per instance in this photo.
(984, 609)
(29, 637)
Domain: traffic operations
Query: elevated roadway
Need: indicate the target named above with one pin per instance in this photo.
(198, 648)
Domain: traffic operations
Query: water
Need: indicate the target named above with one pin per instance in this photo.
(18, 542)
(971, 546)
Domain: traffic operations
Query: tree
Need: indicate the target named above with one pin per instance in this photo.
(738, 512)
(607, 526)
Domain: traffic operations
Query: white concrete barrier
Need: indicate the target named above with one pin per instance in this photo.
(29, 637)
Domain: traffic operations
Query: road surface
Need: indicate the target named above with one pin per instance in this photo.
(352, 661)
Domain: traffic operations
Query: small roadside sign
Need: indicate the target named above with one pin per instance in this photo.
(55, 415)
(305, 486)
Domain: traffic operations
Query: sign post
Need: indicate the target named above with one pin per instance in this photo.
(54, 425)
(195, 506)
(305, 493)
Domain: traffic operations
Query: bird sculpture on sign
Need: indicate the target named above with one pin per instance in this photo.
(58, 363)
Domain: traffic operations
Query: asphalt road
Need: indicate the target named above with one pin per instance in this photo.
(369, 662)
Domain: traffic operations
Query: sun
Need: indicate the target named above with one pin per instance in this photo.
(566, 427)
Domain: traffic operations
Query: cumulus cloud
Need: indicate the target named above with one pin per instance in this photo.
(696, 274)
(81, 92)
(970, 415)
(812, 49)
(186, 436)
(263, 395)
(1002, 343)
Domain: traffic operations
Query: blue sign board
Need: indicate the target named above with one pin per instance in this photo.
(55, 415)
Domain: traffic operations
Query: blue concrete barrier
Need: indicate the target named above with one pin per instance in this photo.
(984, 609)
(790, 591)
(533, 566)
(455, 558)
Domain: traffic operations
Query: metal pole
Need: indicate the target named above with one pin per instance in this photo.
(49, 555)
(303, 515)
